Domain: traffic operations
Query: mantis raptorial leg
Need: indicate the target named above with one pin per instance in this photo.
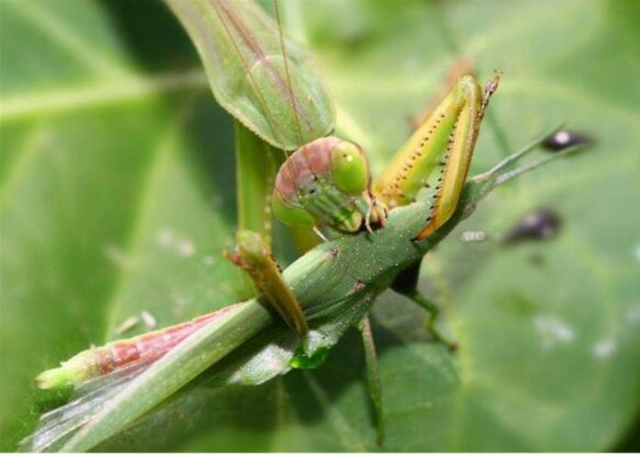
(445, 140)
(441, 147)
(257, 163)
(253, 254)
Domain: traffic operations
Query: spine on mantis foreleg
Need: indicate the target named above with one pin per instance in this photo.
(143, 349)
(254, 255)
(445, 141)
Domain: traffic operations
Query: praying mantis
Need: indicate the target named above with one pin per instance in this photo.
(383, 228)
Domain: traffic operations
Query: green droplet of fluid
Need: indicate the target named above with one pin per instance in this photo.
(303, 361)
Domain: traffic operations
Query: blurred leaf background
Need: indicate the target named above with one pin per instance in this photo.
(117, 196)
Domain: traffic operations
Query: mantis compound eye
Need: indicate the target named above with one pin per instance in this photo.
(349, 168)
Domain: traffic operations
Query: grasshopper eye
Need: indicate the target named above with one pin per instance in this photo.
(349, 168)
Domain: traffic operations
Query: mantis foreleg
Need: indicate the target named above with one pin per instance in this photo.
(253, 254)
(257, 164)
(446, 140)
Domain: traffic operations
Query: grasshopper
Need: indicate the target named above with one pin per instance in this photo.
(384, 226)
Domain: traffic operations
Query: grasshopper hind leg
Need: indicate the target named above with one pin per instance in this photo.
(406, 284)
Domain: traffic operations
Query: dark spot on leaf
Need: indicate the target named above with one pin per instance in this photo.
(540, 224)
(564, 139)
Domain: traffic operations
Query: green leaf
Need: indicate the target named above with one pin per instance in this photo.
(117, 196)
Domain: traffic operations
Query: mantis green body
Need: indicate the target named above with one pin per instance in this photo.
(335, 285)
(328, 182)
